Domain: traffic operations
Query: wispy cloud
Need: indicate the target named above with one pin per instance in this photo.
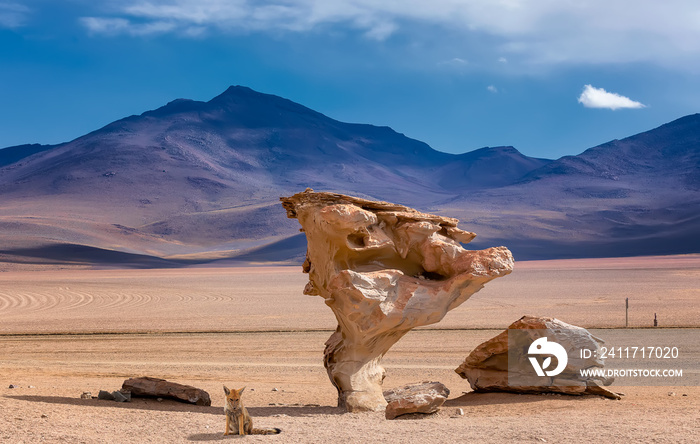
(115, 26)
(492, 88)
(593, 97)
(454, 62)
(202, 12)
(13, 15)
(381, 31)
(540, 32)
(184, 16)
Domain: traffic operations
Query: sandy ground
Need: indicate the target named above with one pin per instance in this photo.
(252, 327)
(585, 292)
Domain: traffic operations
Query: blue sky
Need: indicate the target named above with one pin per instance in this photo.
(550, 77)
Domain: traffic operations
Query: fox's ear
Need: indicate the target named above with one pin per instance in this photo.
(227, 391)
(241, 390)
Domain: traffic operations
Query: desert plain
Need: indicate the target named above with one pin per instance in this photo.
(65, 331)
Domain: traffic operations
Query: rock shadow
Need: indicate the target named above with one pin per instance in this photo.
(168, 405)
(165, 405)
(494, 398)
(212, 437)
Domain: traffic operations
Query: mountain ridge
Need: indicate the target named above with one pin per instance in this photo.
(204, 178)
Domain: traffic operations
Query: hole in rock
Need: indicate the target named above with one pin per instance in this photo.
(356, 240)
(433, 276)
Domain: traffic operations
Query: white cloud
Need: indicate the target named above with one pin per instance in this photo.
(381, 31)
(539, 32)
(249, 15)
(195, 31)
(13, 15)
(454, 62)
(105, 25)
(502, 60)
(123, 26)
(593, 97)
(200, 11)
(492, 88)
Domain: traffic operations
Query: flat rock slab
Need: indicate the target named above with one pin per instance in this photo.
(422, 397)
(160, 388)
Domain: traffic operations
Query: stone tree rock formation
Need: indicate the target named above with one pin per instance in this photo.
(489, 366)
(383, 269)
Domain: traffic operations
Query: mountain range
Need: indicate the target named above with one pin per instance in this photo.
(193, 182)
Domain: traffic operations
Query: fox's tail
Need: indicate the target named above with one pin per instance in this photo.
(274, 431)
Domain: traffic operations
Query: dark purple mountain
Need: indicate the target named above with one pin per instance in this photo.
(204, 178)
(14, 154)
(671, 149)
(194, 181)
(486, 168)
(635, 196)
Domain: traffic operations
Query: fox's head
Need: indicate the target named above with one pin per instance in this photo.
(233, 397)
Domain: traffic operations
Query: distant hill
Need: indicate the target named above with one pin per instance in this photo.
(198, 181)
(671, 149)
(14, 154)
(635, 196)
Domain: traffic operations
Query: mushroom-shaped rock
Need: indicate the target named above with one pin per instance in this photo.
(383, 269)
(504, 363)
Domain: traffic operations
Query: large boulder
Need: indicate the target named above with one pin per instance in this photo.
(160, 388)
(505, 363)
(423, 397)
(383, 269)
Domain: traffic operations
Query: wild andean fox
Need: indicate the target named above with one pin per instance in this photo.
(238, 420)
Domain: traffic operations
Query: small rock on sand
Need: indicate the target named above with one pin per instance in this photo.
(105, 395)
(122, 396)
(424, 397)
(160, 388)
